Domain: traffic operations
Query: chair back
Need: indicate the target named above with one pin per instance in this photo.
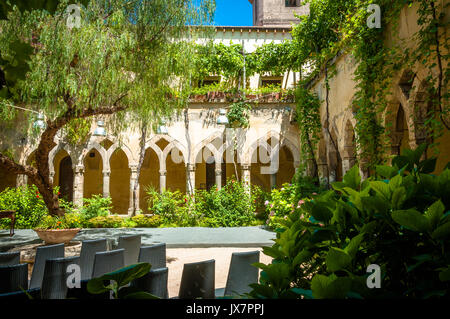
(13, 278)
(107, 261)
(10, 258)
(241, 273)
(155, 282)
(54, 283)
(154, 255)
(87, 255)
(42, 254)
(131, 244)
(198, 280)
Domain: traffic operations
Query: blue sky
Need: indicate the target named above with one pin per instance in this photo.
(233, 13)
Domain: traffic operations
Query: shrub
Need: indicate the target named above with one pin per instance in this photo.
(228, 207)
(69, 220)
(28, 204)
(174, 208)
(398, 219)
(106, 222)
(147, 221)
(96, 206)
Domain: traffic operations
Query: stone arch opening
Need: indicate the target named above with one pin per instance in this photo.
(120, 182)
(93, 174)
(64, 175)
(205, 168)
(149, 177)
(401, 130)
(175, 171)
(286, 170)
(260, 168)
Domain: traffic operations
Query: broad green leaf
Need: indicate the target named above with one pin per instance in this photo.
(98, 286)
(434, 213)
(274, 252)
(398, 198)
(302, 257)
(428, 166)
(386, 171)
(330, 287)
(125, 275)
(337, 259)
(411, 219)
(442, 231)
(353, 245)
(352, 178)
(321, 212)
(382, 189)
(395, 182)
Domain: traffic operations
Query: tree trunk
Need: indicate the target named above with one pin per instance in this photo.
(139, 166)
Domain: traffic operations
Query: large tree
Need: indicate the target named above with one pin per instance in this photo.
(117, 63)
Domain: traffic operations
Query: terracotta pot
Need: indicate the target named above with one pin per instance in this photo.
(57, 236)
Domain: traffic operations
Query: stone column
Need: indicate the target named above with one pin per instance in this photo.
(296, 166)
(273, 181)
(106, 180)
(190, 178)
(78, 186)
(162, 180)
(51, 176)
(323, 172)
(346, 165)
(133, 181)
(21, 180)
(245, 176)
(219, 178)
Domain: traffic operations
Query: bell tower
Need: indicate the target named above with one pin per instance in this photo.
(277, 13)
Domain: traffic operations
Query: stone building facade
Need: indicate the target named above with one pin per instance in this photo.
(193, 154)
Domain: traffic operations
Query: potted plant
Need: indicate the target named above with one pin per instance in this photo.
(57, 230)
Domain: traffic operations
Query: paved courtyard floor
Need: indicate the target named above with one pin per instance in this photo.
(184, 245)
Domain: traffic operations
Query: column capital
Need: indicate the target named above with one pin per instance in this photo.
(133, 168)
(190, 167)
(163, 172)
(106, 173)
(218, 172)
(79, 169)
(246, 167)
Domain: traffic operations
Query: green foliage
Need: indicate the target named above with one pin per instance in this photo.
(147, 221)
(173, 208)
(231, 206)
(28, 204)
(117, 283)
(96, 206)
(361, 223)
(308, 121)
(238, 114)
(106, 222)
(286, 200)
(68, 221)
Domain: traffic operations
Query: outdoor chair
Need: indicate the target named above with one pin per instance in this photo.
(241, 274)
(155, 255)
(131, 244)
(13, 278)
(32, 294)
(155, 282)
(107, 261)
(87, 255)
(198, 280)
(42, 254)
(10, 258)
(54, 284)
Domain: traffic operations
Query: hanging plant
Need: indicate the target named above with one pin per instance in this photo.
(239, 114)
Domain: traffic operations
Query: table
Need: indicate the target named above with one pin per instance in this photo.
(11, 214)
